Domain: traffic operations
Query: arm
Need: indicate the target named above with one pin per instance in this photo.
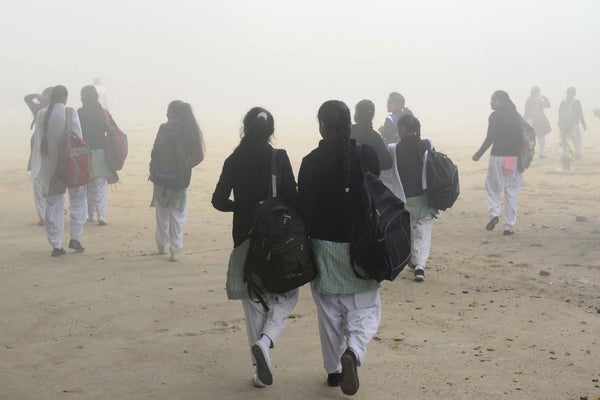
(34, 106)
(307, 198)
(385, 160)
(489, 139)
(579, 115)
(220, 197)
(76, 124)
(288, 182)
(370, 156)
(388, 133)
(545, 102)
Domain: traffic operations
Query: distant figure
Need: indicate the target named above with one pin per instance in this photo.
(534, 115)
(505, 136)
(180, 131)
(570, 115)
(329, 184)
(102, 93)
(363, 132)
(597, 112)
(396, 108)
(50, 125)
(94, 126)
(246, 173)
(36, 102)
(409, 156)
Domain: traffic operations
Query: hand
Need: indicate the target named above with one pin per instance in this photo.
(476, 157)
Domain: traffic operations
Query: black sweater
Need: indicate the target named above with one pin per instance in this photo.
(409, 157)
(247, 171)
(364, 134)
(504, 133)
(324, 206)
(93, 125)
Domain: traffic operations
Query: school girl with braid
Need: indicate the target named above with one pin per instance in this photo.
(247, 172)
(409, 158)
(348, 308)
(50, 124)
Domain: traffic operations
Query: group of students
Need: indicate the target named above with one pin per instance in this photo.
(52, 118)
(326, 196)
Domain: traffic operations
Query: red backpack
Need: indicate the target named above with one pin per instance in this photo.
(115, 151)
(74, 156)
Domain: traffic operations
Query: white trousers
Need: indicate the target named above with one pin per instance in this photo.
(169, 227)
(55, 220)
(541, 144)
(577, 140)
(497, 182)
(270, 323)
(421, 240)
(38, 197)
(97, 197)
(346, 320)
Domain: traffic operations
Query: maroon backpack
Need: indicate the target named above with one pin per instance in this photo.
(115, 151)
(74, 156)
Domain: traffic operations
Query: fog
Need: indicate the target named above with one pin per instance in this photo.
(223, 57)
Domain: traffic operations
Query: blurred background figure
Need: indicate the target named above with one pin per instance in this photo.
(570, 115)
(534, 115)
(102, 93)
(396, 107)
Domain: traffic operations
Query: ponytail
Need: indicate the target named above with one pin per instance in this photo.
(258, 124)
(59, 94)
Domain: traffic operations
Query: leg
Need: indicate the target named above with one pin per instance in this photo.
(493, 186)
(255, 320)
(362, 316)
(577, 141)
(161, 237)
(511, 194)
(541, 140)
(421, 240)
(77, 209)
(280, 308)
(40, 202)
(55, 220)
(331, 330)
(100, 196)
(176, 222)
(91, 205)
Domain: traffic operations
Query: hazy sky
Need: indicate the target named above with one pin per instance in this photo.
(446, 57)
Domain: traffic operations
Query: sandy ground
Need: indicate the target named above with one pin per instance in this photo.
(122, 322)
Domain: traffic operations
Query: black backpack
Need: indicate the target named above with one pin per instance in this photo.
(170, 165)
(279, 258)
(381, 243)
(440, 179)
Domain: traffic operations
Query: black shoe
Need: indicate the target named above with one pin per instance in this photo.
(492, 224)
(57, 252)
(419, 275)
(507, 232)
(334, 379)
(76, 245)
(349, 380)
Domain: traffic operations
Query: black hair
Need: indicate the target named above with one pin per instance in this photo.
(181, 113)
(258, 124)
(364, 112)
(535, 91)
(89, 95)
(59, 93)
(334, 119)
(397, 98)
(505, 99)
(410, 124)
(48, 91)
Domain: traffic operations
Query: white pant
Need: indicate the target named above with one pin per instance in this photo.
(421, 240)
(496, 182)
(97, 197)
(38, 197)
(577, 140)
(270, 323)
(169, 227)
(346, 320)
(55, 220)
(541, 143)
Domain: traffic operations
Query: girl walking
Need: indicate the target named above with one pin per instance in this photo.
(504, 136)
(181, 130)
(247, 172)
(348, 308)
(409, 159)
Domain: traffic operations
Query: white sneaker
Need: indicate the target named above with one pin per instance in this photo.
(102, 221)
(256, 382)
(174, 256)
(263, 362)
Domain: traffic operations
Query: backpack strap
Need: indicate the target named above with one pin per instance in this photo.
(275, 174)
(106, 117)
(360, 156)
